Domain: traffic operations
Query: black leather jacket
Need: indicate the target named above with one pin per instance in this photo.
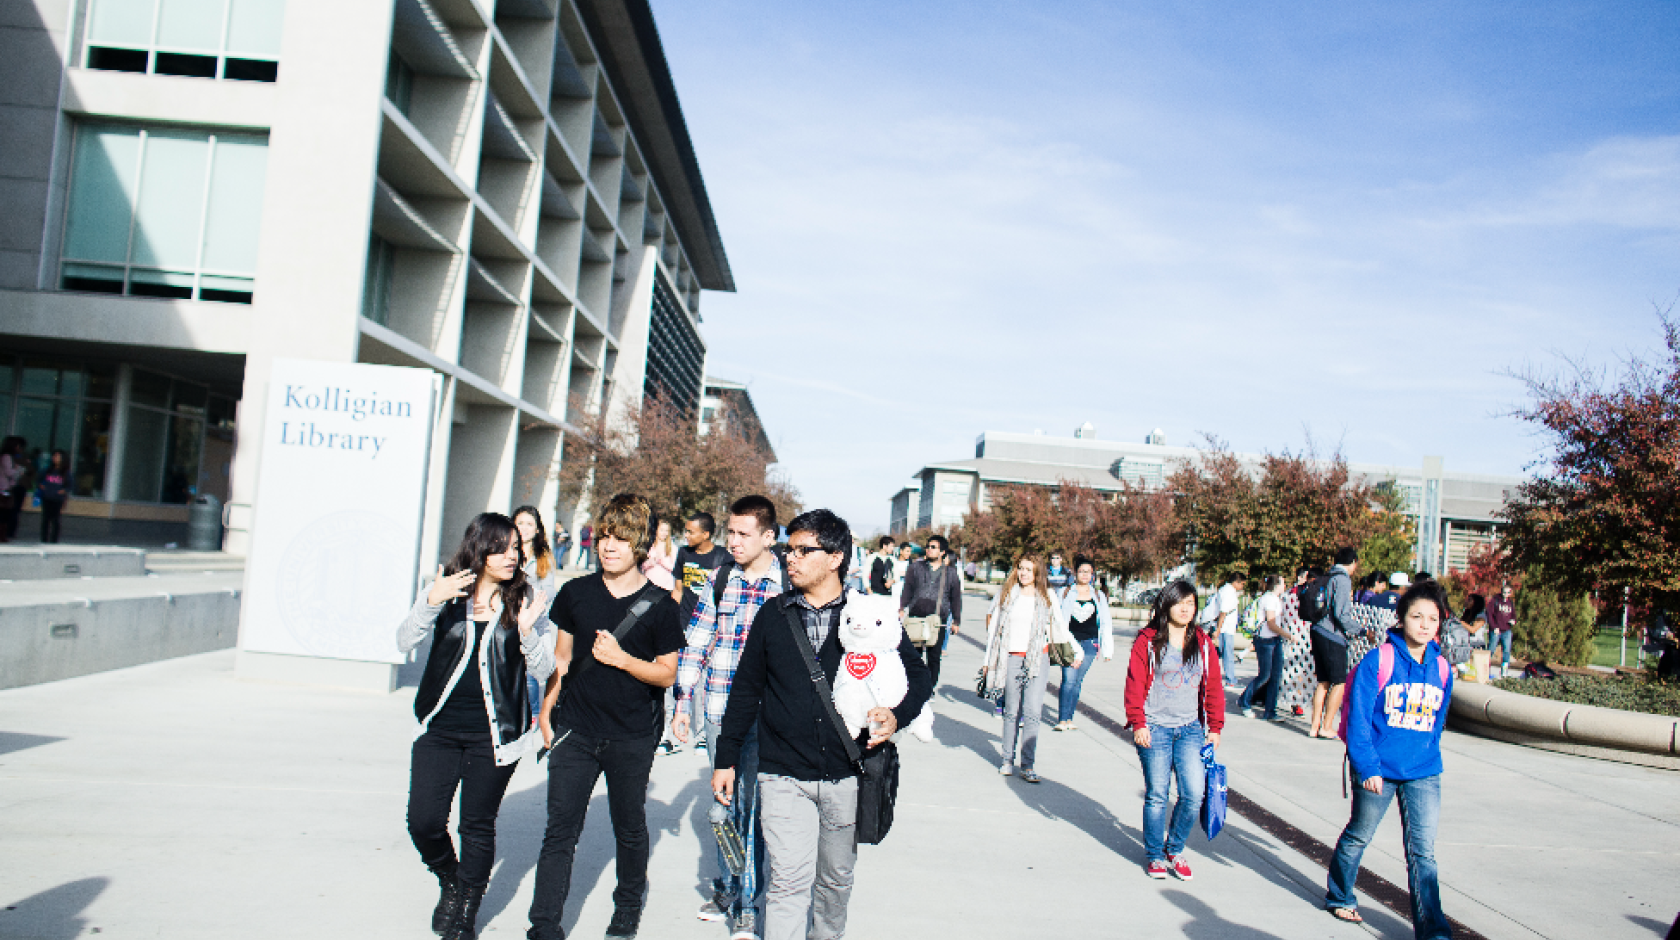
(506, 659)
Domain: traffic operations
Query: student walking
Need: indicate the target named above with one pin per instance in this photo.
(1057, 574)
(900, 568)
(1087, 613)
(1024, 620)
(586, 543)
(661, 564)
(1269, 641)
(807, 786)
(541, 573)
(1330, 634)
(697, 559)
(717, 634)
(616, 653)
(475, 718)
(13, 465)
(881, 566)
(933, 591)
(1501, 620)
(1397, 709)
(1174, 702)
(52, 490)
(1224, 613)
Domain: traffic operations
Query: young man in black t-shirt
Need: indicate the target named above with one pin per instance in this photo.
(611, 695)
(698, 559)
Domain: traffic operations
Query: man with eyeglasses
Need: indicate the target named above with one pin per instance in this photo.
(933, 590)
(807, 788)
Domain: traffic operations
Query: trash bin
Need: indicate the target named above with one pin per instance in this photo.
(204, 524)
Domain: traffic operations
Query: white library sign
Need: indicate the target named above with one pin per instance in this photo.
(340, 493)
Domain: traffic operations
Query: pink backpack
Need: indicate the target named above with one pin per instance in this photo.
(1385, 671)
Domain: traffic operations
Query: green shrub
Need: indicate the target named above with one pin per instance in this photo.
(1553, 629)
(1652, 696)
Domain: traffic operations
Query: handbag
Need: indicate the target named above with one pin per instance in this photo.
(924, 631)
(1213, 799)
(1064, 654)
(877, 772)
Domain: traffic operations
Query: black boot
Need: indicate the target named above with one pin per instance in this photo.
(465, 924)
(449, 899)
(625, 922)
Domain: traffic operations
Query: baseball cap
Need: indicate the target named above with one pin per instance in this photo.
(1399, 579)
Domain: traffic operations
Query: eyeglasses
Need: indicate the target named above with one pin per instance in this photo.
(800, 551)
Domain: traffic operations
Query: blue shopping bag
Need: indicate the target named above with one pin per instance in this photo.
(1213, 801)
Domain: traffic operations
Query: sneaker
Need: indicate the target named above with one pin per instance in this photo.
(1157, 870)
(1008, 769)
(711, 912)
(746, 926)
(625, 922)
(1248, 713)
(668, 747)
(1180, 869)
(1030, 775)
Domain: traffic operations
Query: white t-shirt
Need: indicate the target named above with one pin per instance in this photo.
(1018, 621)
(1271, 605)
(1227, 607)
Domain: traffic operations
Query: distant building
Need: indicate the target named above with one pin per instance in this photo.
(1454, 512)
(722, 396)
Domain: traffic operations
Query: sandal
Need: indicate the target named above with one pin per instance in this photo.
(1349, 914)
(1031, 776)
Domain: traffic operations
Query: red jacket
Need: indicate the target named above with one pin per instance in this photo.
(1140, 675)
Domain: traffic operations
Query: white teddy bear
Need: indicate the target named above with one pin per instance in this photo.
(871, 674)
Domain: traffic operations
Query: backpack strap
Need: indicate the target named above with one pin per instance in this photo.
(1385, 664)
(720, 583)
(820, 683)
(645, 599)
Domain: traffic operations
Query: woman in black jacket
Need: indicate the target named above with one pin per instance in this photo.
(475, 718)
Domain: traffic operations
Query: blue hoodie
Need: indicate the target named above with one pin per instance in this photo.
(1395, 732)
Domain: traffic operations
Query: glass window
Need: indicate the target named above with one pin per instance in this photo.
(149, 388)
(93, 451)
(186, 445)
(104, 181)
(164, 213)
(231, 39)
(101, 381)
(143, 449)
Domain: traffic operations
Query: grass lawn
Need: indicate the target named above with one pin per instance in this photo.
(1607, 648)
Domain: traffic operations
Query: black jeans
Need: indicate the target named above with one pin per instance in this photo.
(935, 651)
(440, 763)
(50, 510)
(573, 767)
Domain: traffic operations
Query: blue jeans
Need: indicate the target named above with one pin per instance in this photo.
(1227, 658)
(1501, 640)
(1268, 650)
(534, 690)
(1067, 699)
(1420, 813)
(732, 893)
(1171, 751)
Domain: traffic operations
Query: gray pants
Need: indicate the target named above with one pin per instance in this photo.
(810, 834)
(1023, 708)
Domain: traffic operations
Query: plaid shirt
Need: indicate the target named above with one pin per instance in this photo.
(717, 634)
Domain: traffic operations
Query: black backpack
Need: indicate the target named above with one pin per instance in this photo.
(1315, 599)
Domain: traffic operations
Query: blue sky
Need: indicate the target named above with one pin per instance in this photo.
(1253, 221)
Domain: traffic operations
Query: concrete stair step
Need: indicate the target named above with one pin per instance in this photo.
(51, 562)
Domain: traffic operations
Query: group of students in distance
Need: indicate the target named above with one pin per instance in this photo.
(611, 643)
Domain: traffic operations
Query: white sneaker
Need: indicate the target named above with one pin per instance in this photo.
(1248, 713)
(711, 912)
(1008, 769)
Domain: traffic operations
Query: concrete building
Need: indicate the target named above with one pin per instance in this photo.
(502, 191)
(1455, 512)
(725, 397)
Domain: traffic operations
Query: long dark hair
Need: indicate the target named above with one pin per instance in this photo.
(1474, 607)
(1158, 620)
(540, 552)
(487, 535)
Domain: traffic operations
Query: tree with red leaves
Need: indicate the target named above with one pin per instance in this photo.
(1604, 512)
(1128, 534)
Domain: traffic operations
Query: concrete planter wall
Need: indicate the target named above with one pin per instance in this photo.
(1588, 730)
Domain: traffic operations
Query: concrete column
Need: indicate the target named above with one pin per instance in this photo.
(119, 431)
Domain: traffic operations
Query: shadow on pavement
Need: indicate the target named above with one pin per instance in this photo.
(53, 914)
(1208, 925)
(14, 741)
(1652, 924)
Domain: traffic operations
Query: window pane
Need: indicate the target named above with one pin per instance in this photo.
(5, 413)
(166, 230)
(186, 443)
(40, 378)
(142, 468)
(254, 28)
(235, 215)
(93, 450)
(149, 388)
(45, 425)
(121, 22)
(102, 188)
(192, 25)
(102, 381)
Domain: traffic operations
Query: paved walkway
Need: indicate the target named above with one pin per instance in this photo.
(174, 800)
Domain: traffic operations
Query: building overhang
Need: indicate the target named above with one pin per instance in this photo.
(628, 42)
